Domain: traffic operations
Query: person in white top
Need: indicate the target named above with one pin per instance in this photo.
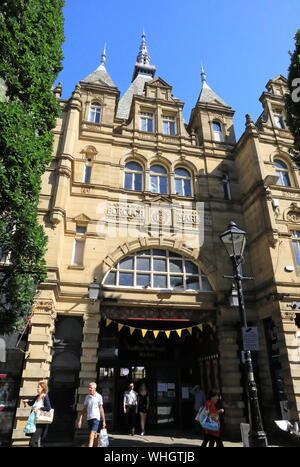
(93, 407)
(130, 407)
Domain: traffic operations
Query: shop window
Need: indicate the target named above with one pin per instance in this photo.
(158, 269)
(282, 173)
(183, 182)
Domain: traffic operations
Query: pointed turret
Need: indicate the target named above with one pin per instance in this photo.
(207, 94)
(100, 74)
(143, 72)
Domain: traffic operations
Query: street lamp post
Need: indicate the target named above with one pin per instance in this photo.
(234, 241)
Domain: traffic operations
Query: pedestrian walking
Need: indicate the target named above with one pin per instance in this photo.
(213, 437)
(93, 409)
(199, 401)
(40, 402)
(143, 406)
(130, 407)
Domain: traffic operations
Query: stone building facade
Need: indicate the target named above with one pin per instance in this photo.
(135, 200)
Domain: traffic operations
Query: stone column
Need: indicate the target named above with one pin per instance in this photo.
(230, 373)
(89, 356)
(37, 363)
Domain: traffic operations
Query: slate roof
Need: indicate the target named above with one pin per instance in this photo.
(208, 95)
(100, 75)
(136, 87)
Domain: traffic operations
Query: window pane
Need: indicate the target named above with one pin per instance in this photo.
(97, 119)
(160, 282)
(128, 181)
(187, 188)
(159, 252)
(80, 229)
(92, 116)
(178, 186)
(158, 169)
(206, 287)
(176, 282)
(143, 124)
(176, 266)
(191, 268)
(192, 283)
(143, 264)
(296, 247)
(286, 179)
(111, 278)
(166, 128)
(143, 253)
(280, 165)
(143, 280)
(176, 255)
(134, 166)
(126, 263)
(172, 128)
(163, 185)
(78, 252)
(182, 172)
(138, 182)
(126, 278)
(87, 174)
(154, 184)
(150, 125)
(159, 265)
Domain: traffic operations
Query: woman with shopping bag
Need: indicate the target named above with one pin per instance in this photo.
(41, 402)
(210, 421)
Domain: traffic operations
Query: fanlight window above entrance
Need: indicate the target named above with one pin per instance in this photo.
(157, 269)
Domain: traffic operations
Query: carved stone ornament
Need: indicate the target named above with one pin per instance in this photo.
(44, 307)
(292, 214)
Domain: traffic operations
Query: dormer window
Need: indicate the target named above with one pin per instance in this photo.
(279, 120)
(146, 122)
(218, 134)
(95, 112)
(169, 125)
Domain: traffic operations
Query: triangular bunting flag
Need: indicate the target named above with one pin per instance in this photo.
(190, 330)
(200, 326)
(168, 334)
(132, 330)
(144, 332)
(179, 331)
(155, 334)
(108, 321)
(120, 326)
(210, 324)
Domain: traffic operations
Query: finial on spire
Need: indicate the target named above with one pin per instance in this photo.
(203, 74)
(143, 55)
(103, 56)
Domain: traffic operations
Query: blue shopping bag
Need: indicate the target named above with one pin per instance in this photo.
(30, 427)
(206, 420)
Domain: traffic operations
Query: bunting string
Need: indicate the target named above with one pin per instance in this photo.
(155, 332)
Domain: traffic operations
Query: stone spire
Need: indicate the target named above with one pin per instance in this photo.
(142, 65)
(207, 94)
(100, 75)
(103, 56)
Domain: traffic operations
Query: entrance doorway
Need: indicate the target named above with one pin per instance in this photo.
(169, 366)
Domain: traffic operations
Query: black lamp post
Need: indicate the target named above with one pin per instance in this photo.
(234, 240)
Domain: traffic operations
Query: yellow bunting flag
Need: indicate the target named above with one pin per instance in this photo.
(200, 326)
(168, 334)
(190, 330)
(179, 331)
(144, 332)
(120, 326)
(155, 333)
(132, 330)
(108, 321)
(210, 324)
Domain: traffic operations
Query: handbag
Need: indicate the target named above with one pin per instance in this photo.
(206, 420)
(30, 426)
(103, 440)
(45, 417)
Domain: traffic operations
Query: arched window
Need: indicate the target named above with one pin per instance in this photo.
(218, 134)
(282, 173)
(95, 112)
(133, 176)
(183, 182)
(157, 269)
(158, 179)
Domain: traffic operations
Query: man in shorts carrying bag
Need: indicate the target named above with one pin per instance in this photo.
(93, 407)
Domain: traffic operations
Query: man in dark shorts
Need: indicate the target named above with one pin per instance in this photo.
(93, 407)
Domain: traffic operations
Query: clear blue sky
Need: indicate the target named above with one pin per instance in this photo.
(241, 44)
